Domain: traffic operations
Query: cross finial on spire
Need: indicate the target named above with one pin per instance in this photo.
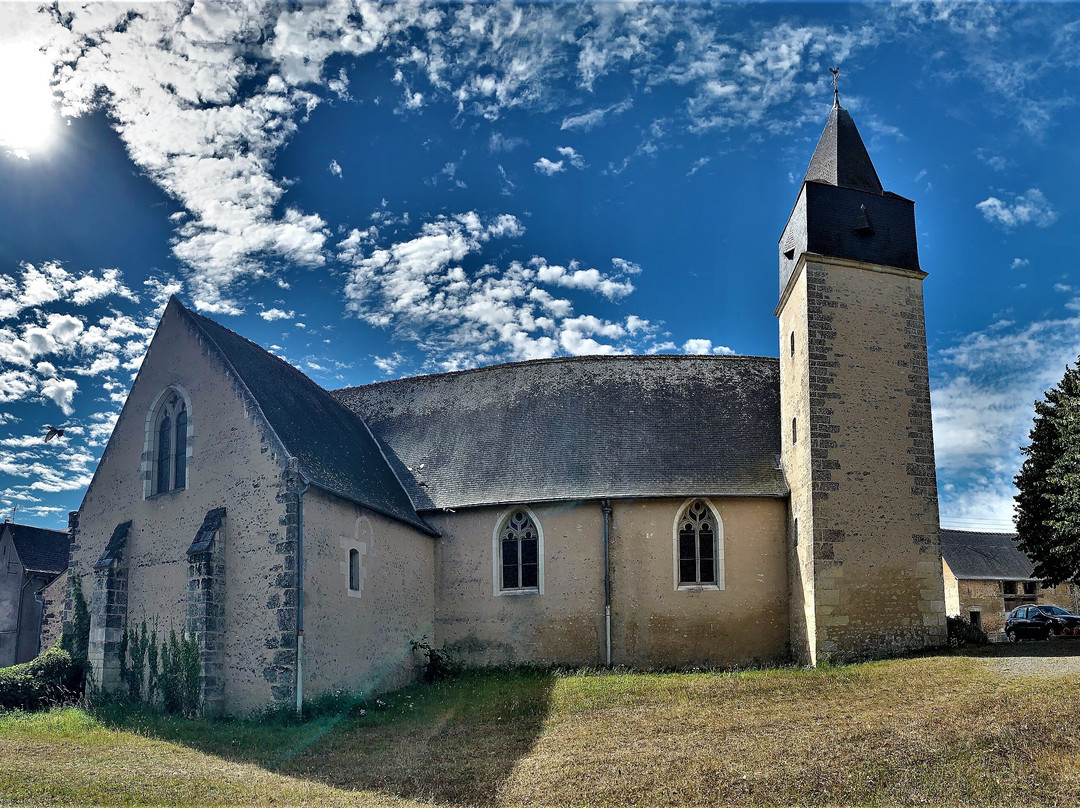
(835, 92)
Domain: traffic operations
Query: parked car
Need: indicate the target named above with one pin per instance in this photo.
(1062, 621)
(1028, 623)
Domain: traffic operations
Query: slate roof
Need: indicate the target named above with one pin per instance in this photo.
(581, 428)
(334, 447)
(841, 158)
(985, 556)
(40, 549)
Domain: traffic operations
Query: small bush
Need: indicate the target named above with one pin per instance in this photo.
(439, 664)
(962, 633)
(52, 678)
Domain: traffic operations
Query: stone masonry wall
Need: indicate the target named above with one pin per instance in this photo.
(877, 563)
(234, 462)
(796, 459)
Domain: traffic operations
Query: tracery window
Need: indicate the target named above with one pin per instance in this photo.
(170, 449)
(519, 548)
(699, 546)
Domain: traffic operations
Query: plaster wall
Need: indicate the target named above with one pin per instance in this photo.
(51, 625)
(1064, 595)
(11, 578)
(654, 623)
(878, 584)
(987, 597)
(563, 625)
(360, 640)
(952, 590)
(983, 597)
(232, 463)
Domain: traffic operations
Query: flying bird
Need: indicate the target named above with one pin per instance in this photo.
(54, 432)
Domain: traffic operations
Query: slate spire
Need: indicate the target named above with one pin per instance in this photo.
(840, 158)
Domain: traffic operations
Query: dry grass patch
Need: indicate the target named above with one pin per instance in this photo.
(944, 730)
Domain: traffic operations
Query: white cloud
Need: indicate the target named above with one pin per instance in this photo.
(594, 117)
(1030, 207)
(388, 364)
(499, 142)
(575, 278)
(625, 267)
(702, 347)
(335, 168)
(277, 314)
(983, 391)
(51, 282)
(61, 392)
(549, 167)
(575, 159)
(1019, 263)
(419, 287)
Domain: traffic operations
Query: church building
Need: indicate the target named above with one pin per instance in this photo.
(650, 511)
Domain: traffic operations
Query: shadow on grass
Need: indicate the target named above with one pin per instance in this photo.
(452, 742)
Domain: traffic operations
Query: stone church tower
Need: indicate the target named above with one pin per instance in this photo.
(857, 439)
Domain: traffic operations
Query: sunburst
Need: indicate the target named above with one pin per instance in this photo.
(27, 118)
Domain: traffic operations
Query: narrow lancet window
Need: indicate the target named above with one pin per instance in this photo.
(698, 546)
(520, 553)
(163, 454)
(168, 444)
(354, 570)
(180, 466)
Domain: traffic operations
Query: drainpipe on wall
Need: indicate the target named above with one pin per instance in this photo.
(300, 598)
(605, 506)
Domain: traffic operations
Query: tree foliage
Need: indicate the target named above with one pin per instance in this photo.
(1048, 502)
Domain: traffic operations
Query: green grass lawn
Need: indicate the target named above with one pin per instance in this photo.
(938, 730)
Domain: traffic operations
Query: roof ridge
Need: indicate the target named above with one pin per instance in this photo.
(198, 320)
(195, 318)
(551, 360)
(980, 532)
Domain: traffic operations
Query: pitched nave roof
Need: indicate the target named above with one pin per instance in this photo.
(581, 428)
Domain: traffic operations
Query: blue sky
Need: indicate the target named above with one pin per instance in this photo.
(373, 191)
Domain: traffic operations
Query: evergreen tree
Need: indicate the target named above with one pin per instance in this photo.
(1048, 502)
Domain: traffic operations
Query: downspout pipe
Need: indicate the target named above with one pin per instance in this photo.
(300, 597)
(605, 506)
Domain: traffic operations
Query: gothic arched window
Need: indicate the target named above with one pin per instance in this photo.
(519, 553)
(699, 546)
(170, 444)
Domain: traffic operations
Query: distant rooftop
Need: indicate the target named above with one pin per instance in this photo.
(40, 549)
(986, 556)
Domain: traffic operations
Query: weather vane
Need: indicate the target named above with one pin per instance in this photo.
(835, 75)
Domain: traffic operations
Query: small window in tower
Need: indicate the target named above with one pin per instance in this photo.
(794, 430)
(790, 254)
(792, 343)
(354, 570)
(795, 531)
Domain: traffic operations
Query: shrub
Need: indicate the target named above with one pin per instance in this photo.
(961, 633)
(438, 665)
(178, 681)
(52, 678)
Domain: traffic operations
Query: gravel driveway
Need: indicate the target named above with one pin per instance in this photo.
(1059, 657)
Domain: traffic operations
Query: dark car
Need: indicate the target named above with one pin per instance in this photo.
(1028, 623)
(1062, 621)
